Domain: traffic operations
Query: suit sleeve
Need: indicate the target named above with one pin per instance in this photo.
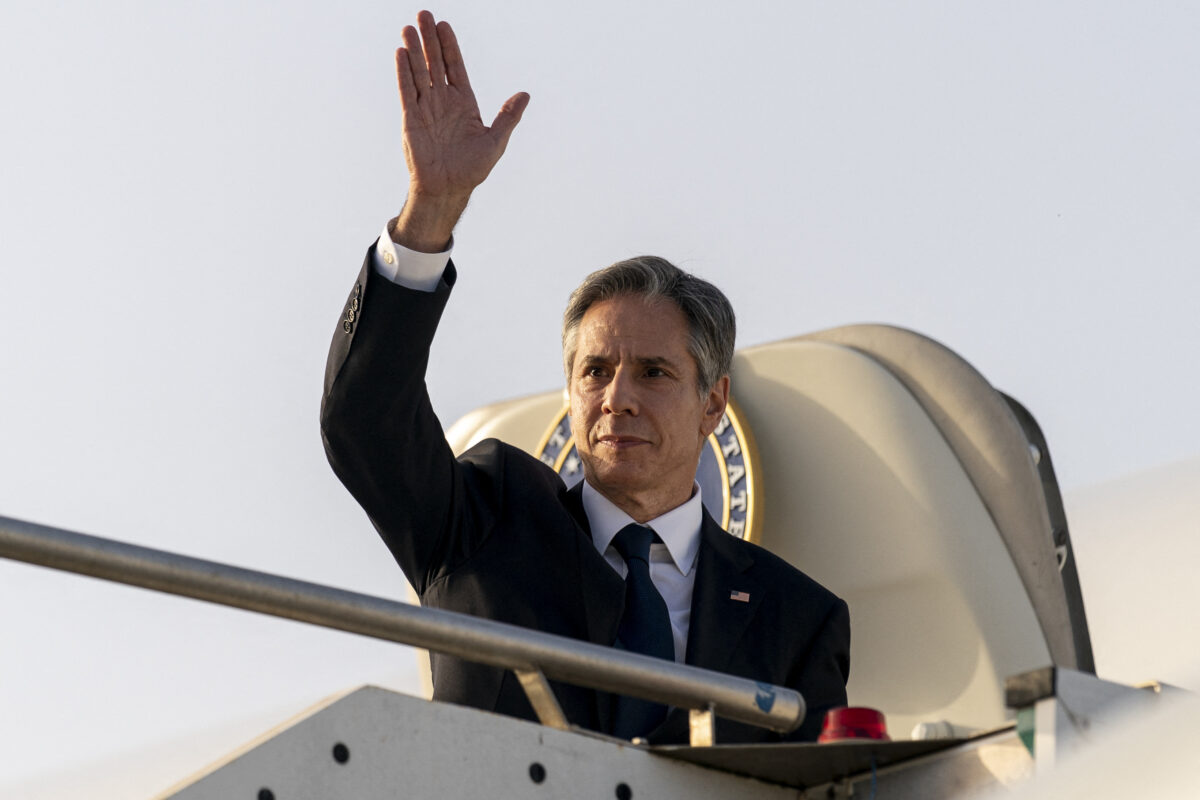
(380, 432)
(824, 672)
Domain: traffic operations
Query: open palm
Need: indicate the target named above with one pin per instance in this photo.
(448, 148)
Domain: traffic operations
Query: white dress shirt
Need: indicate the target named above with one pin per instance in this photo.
(672, 563)
(409, 268)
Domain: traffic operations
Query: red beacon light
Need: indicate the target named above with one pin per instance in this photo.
(854, 722)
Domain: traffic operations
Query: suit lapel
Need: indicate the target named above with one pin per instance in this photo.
(602, 592)
(719, 618)
(602, 589)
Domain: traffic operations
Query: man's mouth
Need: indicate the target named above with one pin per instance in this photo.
(619, 441)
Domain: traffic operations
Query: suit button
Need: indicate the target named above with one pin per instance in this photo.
(346, 326)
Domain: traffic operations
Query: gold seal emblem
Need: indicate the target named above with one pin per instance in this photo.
(728, 473)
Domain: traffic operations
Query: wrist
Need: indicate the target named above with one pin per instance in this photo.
(426, 222)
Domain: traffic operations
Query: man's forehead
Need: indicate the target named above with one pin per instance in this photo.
(600, 346)
(628, 314)
(652, 334)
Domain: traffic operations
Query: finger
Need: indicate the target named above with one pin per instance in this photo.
(510, 114)
(456, 70)
(404, 80)
(433, 49)
(416, 61)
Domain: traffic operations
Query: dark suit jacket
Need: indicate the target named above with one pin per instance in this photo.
(495, 533)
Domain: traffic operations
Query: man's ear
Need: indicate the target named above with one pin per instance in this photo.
(714, 405)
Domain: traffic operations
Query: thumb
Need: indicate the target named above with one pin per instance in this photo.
(509, 115)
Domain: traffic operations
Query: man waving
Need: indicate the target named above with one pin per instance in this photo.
(628, 557)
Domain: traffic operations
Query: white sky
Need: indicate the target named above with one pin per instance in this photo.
(188, 189)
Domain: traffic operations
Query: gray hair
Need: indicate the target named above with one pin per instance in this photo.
(712, 327)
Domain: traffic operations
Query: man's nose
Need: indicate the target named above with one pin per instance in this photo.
(620, 396)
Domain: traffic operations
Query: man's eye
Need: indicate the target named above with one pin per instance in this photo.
(655, 372)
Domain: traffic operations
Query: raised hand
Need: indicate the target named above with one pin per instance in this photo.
(448, 148)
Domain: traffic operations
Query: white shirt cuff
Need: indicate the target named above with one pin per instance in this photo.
(409, 268)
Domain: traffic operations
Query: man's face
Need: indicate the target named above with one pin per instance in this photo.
(639, 422)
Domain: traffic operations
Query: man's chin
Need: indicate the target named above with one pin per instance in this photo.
(619, 478)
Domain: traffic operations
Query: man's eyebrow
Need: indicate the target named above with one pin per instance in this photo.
(656, 361)
(593, 359)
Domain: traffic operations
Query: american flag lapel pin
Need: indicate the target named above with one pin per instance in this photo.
(741, 597)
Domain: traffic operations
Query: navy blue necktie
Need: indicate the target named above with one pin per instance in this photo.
(645, 628)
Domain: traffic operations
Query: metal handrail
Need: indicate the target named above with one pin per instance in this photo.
(472, 638)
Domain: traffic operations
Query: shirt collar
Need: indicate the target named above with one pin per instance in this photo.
(679, 528)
